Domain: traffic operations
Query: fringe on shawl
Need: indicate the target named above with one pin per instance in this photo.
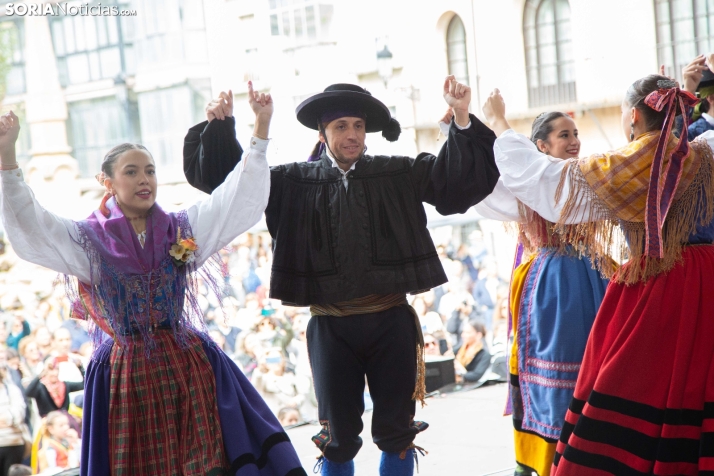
(116, 298)
(603, 235)
(535, 232)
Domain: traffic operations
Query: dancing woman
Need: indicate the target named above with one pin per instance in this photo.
(644, 397)
(555, 294)
(160, 397)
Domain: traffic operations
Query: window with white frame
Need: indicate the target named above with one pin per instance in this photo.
(90, 48)
(97, 125)
(303, 21)
(248, 42)
(456, 50)
(178, 108)
(685, 28)
(169, 32)
(549, 52)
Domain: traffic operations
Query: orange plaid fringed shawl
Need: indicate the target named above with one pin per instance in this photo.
(615, 185)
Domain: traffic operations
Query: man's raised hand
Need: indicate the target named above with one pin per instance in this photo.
(221, 107)
(458, 97)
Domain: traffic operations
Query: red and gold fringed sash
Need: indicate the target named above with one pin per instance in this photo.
(377, 303)
(535, 233)
(82, 309)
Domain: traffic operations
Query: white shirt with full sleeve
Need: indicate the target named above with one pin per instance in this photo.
(501, 205)
(533, 177)
(48, 240)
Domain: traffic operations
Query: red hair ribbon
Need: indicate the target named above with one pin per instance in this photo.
(661, 192)
(103, 205)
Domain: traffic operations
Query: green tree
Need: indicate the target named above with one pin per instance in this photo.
(8, 46)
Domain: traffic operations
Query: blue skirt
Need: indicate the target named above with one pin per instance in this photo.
(254, 441)
(560, 299)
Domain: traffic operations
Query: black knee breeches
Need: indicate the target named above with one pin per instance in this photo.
(343, 350)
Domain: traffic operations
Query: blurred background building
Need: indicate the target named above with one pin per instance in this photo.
(82, 84)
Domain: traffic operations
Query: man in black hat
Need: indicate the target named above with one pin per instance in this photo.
(350, 240)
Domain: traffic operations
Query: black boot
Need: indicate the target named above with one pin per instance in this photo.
(522, 471)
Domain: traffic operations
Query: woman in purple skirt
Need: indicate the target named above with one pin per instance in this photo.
(160, 397)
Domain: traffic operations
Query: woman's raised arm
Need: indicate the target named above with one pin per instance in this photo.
(239, 202)
(36, 235)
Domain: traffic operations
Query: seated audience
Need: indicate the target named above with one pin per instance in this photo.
(472, 357)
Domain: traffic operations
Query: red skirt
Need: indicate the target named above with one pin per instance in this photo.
(644, 400)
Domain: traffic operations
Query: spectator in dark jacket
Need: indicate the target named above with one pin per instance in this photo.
(472, 357)
(49, 391)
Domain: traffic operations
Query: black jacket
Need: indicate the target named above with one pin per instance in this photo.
(332, 244)
(45, 403)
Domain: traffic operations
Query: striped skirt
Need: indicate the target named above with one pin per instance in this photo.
(644, 401)
(180, 412)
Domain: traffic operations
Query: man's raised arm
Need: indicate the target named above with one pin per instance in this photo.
(464, 172)
(210, 140)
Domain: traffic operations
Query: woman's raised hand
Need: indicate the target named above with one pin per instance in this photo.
(221, 107)
(495, 107)
(260, 103)
(9, 130)
(262, 106)
(448, 115)
(495, 111)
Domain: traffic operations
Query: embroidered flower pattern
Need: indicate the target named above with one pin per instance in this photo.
(182, 251)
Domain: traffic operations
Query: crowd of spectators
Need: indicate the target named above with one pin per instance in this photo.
(47, 352)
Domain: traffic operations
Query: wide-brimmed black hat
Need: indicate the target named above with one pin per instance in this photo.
(707, 79)
(351, 99)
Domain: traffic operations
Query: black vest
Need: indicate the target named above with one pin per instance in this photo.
(334, 244)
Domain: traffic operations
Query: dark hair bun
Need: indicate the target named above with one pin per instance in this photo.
(640, 89)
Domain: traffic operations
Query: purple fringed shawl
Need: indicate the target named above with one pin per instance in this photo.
(136, 289)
